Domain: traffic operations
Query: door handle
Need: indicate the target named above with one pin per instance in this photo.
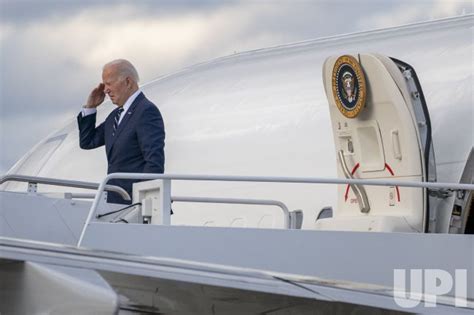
(358, 190)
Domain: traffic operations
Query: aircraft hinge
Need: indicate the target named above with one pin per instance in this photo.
(415, 95)
(440, 193)
(407, 74)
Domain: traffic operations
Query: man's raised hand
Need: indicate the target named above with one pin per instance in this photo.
(96, 97)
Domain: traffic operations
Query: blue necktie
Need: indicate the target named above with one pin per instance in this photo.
(117, 118)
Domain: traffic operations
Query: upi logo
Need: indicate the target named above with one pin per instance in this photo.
(437, 282)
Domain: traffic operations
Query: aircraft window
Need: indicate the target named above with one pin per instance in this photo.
(325, 212)
(33, 163)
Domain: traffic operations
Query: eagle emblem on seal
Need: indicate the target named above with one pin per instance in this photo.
(349, 86)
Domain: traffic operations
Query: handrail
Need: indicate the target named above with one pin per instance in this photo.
(78, 196)
(64, 183)
(281, 205)
(299, 180)
(294, 180)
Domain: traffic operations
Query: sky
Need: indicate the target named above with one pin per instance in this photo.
(52, 51)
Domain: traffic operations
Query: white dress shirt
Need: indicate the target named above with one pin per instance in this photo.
(126, 106)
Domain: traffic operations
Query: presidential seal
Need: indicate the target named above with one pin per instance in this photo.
(348, 86)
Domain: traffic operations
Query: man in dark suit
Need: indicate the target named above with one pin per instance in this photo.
(133, 133)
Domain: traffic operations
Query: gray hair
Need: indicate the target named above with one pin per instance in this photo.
(124, 69)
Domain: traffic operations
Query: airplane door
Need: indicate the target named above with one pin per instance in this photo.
(381, 130)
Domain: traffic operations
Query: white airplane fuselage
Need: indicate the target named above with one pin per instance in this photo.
(265, 113)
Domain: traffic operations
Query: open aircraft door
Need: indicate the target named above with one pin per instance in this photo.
(381, 130)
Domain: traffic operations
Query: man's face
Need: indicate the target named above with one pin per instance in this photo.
(115, 87)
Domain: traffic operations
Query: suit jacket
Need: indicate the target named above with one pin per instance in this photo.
(136, 147)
